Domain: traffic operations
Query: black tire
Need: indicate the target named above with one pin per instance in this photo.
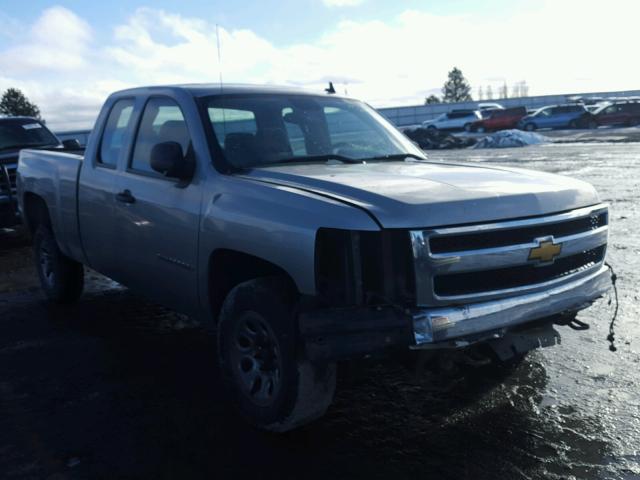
(468, 127)
(592, 124)
(61, 278)
(530, 127)
(272, 386)
(574, 124)
(481, 130)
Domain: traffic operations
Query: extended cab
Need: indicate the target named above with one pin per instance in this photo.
(307, 230)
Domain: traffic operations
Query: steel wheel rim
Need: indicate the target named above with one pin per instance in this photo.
(46, 265)
(256, 359)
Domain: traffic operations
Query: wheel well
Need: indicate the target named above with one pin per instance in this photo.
(35, 212)
(228, 268)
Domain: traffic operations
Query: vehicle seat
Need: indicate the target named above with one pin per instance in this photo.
(273, 144)
(175, 131)
(240, 149)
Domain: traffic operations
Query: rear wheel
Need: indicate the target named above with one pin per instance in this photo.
(573, 124)
(273, 387)
(468, 127)
(530, 127)
(593, 124)
(61, 278)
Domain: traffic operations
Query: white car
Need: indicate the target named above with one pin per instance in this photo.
(454, 120)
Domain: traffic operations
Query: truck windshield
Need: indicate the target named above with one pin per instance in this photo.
(24, 133)
(265, 129)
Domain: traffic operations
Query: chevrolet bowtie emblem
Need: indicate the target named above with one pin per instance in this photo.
(546, 251)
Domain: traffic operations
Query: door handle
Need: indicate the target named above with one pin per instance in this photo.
(125, 197)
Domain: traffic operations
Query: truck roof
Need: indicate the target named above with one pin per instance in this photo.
(204, 89)
(10, 117)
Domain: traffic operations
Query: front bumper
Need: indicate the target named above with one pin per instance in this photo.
(358, 331)
(452, 323)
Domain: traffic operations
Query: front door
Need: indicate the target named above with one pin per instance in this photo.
(158, 217)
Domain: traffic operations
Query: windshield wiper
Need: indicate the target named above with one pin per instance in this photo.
(318, 158)
(396, 156)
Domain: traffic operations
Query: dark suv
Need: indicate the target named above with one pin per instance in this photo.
(17, 133)
(619, 113)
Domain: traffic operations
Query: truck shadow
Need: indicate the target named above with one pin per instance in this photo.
(115, 387)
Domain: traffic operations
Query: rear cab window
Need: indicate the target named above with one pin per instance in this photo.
(115, 132)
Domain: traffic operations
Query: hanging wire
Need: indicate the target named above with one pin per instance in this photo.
(612, 336)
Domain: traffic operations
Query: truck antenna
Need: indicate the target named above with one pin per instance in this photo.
(219, 56)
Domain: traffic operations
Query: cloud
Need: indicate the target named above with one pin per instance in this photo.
(342, 3)
(58, 40)
(397, 60)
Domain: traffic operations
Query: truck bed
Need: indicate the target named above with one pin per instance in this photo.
(54, 177)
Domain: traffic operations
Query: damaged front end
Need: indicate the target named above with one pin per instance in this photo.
(453, 287)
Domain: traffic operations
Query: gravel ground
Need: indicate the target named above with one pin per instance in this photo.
(115, 387)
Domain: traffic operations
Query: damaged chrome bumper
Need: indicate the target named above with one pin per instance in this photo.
(437, 325)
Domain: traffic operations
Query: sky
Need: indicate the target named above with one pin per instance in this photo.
(68, 56)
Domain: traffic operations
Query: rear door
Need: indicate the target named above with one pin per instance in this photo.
(158, 217)
(97, 186)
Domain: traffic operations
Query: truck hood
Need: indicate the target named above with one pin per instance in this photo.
(430, 194)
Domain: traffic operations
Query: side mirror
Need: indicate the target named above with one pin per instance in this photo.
(71, 144)
(167, 159)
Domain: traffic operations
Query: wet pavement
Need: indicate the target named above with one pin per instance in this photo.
(116, 387)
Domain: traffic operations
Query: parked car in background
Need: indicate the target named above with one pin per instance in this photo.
(499, 119)
(82, 136)
(17, 133)
(558, 116)
(619, 113)
(454, 120)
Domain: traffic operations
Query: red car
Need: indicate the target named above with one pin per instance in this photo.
(499, 120)
(620, 113)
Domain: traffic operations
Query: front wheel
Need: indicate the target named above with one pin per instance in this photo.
(61, 278)
(272, 386)
(468, 127)
(530, 127)
(573, 124)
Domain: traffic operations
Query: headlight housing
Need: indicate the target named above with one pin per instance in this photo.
(364, 267)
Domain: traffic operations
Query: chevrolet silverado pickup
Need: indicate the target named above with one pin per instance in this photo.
(306, 229)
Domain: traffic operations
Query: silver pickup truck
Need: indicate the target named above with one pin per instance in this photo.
(306, 229)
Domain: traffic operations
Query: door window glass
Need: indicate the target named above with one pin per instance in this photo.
(162, 121)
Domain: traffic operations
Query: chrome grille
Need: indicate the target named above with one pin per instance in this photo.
(480, 262)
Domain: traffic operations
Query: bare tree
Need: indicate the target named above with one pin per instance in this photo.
(515, 90)
(489, 92)
(480, 93)
(504, 91)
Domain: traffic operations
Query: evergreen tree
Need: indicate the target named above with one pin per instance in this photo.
(14, 103)
(456, 88)
(432, 99)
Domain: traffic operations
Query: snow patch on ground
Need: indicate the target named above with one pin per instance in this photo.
(511, 138)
